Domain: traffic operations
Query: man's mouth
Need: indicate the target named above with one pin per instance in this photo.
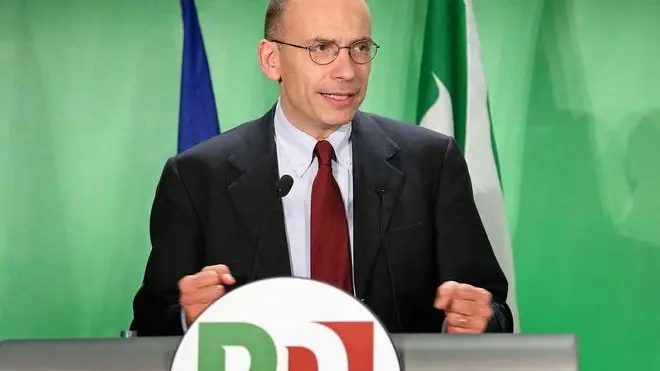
(340, 99)
(338, 96)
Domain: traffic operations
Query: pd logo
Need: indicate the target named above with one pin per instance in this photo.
(354, 351)
(286, 324)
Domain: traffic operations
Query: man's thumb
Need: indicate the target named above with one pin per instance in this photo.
(444, 294)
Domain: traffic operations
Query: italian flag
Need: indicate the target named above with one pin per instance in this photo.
(453, 100)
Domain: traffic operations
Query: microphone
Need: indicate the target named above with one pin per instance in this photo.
(282, 188)
(380, 191)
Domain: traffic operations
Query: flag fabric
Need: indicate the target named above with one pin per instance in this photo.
(453, 100)
(198, 119)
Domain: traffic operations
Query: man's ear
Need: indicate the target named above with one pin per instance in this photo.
(269, 60)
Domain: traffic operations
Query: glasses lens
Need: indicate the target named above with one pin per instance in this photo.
(363, 51)
(324, 52)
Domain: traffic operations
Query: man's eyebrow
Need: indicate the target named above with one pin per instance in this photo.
(363, 38)
(328, 39)
(317, 39)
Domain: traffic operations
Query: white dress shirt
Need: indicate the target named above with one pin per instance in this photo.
(295, 157)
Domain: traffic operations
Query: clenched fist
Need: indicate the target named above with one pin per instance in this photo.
(198, 291)
(467, 308)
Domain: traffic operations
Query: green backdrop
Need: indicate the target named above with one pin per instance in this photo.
(88, 115)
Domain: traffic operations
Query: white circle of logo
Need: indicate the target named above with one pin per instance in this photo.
(286, 324)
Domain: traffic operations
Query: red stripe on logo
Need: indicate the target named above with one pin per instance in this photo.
(302, 359)
(358, 339)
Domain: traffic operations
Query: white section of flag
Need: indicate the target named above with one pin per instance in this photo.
(480, 157)
(440, 116)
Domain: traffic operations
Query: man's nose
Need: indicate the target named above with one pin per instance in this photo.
(343, 67)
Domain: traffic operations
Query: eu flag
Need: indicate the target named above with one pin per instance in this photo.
(198, 119)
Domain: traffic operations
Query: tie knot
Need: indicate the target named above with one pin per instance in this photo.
(324, 152)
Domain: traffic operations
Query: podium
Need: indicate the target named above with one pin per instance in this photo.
(293, 324)
(418, 352)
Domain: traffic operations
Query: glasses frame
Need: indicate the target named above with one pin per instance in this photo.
(349, 47)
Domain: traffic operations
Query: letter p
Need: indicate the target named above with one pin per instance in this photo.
(214, 337)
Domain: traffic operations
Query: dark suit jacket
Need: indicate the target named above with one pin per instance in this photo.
(213, 205)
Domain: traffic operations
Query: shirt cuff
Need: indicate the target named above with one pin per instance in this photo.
(184, 325)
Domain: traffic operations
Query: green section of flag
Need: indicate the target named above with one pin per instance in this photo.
(444, 54)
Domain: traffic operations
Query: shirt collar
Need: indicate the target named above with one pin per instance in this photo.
(298, 146)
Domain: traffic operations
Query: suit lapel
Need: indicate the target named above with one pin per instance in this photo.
(255, 201)
(372, 152)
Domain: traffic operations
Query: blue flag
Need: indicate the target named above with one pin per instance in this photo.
(198, 119)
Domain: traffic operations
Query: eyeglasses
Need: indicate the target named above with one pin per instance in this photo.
(325, 52)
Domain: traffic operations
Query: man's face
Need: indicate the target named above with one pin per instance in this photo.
(316, 95)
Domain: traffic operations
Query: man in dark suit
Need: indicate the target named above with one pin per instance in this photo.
(218, 221)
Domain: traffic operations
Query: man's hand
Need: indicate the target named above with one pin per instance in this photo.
(198, 291)
(467, 308)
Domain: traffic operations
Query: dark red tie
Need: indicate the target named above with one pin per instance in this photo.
(330, 250)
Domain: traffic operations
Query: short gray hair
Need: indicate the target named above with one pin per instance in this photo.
(273, 15)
